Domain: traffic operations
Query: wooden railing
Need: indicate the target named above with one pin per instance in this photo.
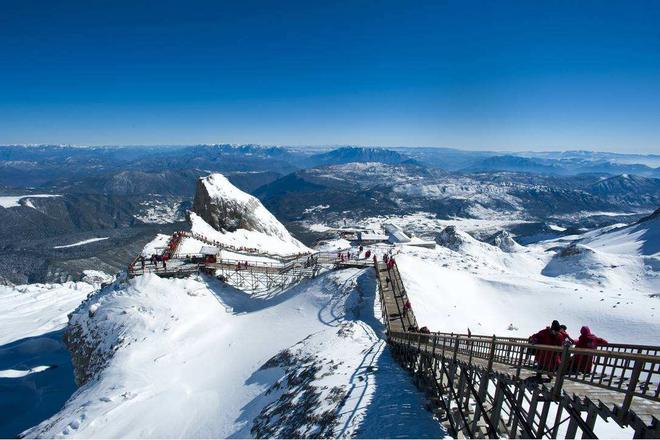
(634, 374)
(650, 350)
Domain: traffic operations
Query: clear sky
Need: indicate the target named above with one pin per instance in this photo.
(467, 74)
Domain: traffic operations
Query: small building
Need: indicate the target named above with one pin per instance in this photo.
(418, 242)
(371, 237)
(209, 250)
(395, 234)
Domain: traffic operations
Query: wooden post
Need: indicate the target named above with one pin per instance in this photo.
(520, 361)
(559, 380)
(483, 385)
(632, 385)
(495, 413)
(491, 355)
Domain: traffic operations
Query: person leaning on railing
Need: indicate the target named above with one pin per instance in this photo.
(548, 360)
(582, 363)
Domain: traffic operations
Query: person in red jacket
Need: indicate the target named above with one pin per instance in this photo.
(548, 360)
(563, 332)
(582, 363)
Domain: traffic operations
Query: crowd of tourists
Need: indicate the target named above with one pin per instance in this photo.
(557, 335)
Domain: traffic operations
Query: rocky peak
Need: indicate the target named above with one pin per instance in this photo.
(504, 241)
(227, 208)
(450, 237)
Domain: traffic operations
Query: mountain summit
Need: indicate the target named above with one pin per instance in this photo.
(228, 215)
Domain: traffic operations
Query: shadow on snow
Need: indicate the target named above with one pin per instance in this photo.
(28, 400)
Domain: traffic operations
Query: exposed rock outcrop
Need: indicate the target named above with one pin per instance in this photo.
(450, 237)
(227, 209)
(504, 241)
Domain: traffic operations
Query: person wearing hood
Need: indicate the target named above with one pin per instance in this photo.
(548, 360)
(583, 363)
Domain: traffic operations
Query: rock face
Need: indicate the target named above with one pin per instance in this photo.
(575, 249)
(226, 208)
(504, 241)
(451, 238)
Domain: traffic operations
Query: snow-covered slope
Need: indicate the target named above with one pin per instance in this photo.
(36, 375)
(223, 213)
(195, 358)
(641, 238)
(244, 238)
(469, 284)
(34, 309)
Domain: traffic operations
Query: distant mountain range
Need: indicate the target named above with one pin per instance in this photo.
(123, 192)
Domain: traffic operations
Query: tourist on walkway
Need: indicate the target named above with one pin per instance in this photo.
(548, 360)
(406, 307)
(582, 363)
(566, 338)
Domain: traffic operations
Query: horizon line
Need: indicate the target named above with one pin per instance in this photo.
(481, 149)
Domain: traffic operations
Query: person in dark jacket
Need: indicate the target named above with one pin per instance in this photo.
(566, 338)
(583, 363)
(548, 360)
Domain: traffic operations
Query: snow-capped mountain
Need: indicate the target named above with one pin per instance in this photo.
(641, 238)
(224, 213)
(198, 357)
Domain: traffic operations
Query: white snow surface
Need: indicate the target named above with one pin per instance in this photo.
(80, 243)
(477, 286)
(35, 309)
(642, 238)
(187, 356)
(264, 243)
(156, 245)
(14, 201)
(15, 374)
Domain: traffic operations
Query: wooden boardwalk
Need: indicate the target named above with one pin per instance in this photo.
(477, 386)
(486, 387)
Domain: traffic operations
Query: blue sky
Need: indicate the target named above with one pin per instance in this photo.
(493, 74)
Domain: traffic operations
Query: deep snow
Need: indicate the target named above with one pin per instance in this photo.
(610, 283)
(188, 359)
(36, 375)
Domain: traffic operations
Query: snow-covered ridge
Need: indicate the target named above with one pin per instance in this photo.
(223, 213)
(190, 358)
(34, 309)
(641, 238)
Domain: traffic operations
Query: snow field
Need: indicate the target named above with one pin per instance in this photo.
(14, 201)
(185, 355)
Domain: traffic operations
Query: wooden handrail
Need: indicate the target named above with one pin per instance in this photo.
(554, 348)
